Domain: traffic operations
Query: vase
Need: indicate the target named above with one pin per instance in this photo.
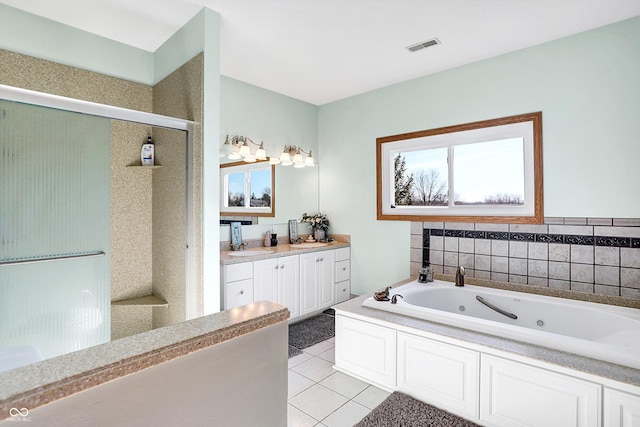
(319, 234)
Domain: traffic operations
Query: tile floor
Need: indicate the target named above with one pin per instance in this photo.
(321, 396)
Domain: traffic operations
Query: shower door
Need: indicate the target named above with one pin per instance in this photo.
(54, 232)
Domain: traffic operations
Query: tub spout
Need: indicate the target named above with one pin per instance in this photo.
(460, 276)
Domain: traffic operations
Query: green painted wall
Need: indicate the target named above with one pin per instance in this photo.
(586, 85)
(32, 35)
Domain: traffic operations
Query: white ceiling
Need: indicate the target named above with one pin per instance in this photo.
(324, 50)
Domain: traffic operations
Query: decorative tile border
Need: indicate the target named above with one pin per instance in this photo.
(589, 255)
(569, 239)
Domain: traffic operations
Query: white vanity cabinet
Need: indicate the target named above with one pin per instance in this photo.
(237, 284)
(306, 283)
(277, 279)
(517, 394)
(343, 274)
(317, 285)
(621, 409)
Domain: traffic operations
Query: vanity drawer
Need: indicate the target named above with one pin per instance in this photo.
(343, 253)
(238, 293)
(343, 270)
(343, 291)
(235, 272)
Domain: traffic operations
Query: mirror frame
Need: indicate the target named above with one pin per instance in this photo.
(537, 217)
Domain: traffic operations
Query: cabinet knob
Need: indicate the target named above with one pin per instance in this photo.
(282, 267)
(276, 267)
(321, 259)
(344, 268)
(241, 292)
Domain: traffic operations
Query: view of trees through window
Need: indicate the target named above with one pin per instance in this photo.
(259, 195)
(485, 173)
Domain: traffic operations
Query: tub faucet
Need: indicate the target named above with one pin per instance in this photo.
(460, 276)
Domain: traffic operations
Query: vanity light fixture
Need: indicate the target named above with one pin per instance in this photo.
(237, 147)
(292, 155)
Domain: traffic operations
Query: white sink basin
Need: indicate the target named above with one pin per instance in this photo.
(250, 253)
(308, 245)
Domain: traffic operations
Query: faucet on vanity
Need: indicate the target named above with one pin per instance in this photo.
(239, 247)
(460, 276)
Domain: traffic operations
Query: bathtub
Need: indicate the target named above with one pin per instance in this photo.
(599, 331)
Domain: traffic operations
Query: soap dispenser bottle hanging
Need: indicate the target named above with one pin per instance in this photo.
(147, 155)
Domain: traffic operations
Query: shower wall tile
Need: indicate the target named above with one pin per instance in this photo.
(416, 241)
(417, 227)
(583, 254)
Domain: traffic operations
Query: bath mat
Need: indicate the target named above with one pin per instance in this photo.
(311, 331)
(400, 410)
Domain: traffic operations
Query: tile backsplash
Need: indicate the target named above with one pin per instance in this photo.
(595, 255)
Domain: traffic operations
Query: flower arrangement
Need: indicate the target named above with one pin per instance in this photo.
(316, 222)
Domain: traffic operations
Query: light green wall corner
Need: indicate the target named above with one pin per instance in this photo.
(211, 162)
(587, 88)
(182, 46)
(32, 35)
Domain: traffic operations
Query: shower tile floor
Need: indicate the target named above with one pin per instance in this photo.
(321, 396)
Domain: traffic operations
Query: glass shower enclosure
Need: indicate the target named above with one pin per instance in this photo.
(54, 232)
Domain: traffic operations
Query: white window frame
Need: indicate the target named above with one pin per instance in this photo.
(246, 169)
(527, 126)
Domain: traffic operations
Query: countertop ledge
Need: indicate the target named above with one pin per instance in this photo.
(275, 252)
(52, 379)
(588, 365)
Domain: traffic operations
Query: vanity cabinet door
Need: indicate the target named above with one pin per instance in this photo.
(308, 283)
(289, 284)
(515, 394)
(326, 278)
(265, 282)
(621, 409)
(317, 281)
(438, 373)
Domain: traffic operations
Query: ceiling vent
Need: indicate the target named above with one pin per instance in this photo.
(423, 45)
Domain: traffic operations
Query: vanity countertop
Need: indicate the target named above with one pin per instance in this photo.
(256, 254)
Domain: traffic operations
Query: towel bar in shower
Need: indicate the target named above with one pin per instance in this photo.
(53, 258)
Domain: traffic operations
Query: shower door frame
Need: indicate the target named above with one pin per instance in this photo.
(41, 99)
